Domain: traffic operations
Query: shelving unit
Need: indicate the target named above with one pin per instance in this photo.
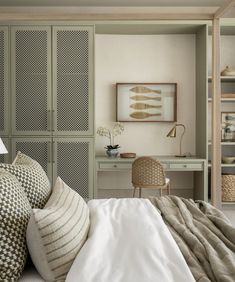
(228, 87)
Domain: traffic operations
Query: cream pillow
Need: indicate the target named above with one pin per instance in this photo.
(56, 233)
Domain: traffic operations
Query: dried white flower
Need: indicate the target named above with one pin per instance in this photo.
(117, 129)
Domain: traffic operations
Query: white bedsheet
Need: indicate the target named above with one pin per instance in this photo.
(128, 242)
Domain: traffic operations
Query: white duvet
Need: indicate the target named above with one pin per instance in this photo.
(128, 242)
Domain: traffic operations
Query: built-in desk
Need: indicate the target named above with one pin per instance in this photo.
(170, 163)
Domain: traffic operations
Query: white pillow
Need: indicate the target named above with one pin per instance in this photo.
(56, 233)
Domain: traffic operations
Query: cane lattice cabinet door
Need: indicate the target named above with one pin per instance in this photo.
(73, 80)
(39, 149)
(31, 80)
(73, 160)
(4, 121)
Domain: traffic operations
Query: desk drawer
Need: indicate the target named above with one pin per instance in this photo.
(115, 166)
(186, 166)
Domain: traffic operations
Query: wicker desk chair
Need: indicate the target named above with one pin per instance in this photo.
(149, 173)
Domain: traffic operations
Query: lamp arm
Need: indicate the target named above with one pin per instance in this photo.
(181, 137)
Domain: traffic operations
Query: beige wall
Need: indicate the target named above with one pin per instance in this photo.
(145, 58)
(227, 52)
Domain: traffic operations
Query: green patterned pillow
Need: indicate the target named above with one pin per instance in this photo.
(32, 178)
(14, 216)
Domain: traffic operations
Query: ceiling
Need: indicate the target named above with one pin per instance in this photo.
(115, 3)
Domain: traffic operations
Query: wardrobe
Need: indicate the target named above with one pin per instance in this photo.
(46, 94)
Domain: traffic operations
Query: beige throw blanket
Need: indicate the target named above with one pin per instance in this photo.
(204, 235)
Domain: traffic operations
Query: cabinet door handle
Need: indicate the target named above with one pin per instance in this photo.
(49, 120)
(115, 165)
(53, 151)
(53, 120)
(48, 152)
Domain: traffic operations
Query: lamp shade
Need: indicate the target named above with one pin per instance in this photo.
(3, 149)
(172, 132)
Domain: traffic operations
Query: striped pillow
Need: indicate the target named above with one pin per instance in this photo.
(56, 233)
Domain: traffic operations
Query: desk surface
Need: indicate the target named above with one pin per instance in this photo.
(169, 163)
(160, 158)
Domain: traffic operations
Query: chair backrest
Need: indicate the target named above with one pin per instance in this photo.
(147, 171)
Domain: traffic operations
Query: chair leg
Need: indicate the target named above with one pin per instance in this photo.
(168, 188)
(134, 192)
(161, 192)
(139, 192)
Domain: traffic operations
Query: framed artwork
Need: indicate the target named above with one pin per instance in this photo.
(146, 102)
(228, 126)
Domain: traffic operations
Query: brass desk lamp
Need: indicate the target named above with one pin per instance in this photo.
(172, 134)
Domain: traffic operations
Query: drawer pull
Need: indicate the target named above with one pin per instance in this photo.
(115, 166)
(184, 166)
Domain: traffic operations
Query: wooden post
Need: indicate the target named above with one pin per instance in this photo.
(216, 185)
(229, 4)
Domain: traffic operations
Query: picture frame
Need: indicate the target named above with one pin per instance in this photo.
(146, 102)
(228, 126)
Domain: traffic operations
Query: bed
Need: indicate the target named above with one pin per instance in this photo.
(112, 240)
(129, 241)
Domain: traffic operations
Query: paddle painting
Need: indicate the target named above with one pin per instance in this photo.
(146, 102)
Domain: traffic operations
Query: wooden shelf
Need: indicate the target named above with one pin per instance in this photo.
(224, 78)
(227, 165)
(225, 143)
(228, 203)
(224, 99)
(224, 165)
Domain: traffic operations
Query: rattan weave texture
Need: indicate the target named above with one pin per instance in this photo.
(149, 173)
(228, 188)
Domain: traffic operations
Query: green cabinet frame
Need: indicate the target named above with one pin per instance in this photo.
(4, 81)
